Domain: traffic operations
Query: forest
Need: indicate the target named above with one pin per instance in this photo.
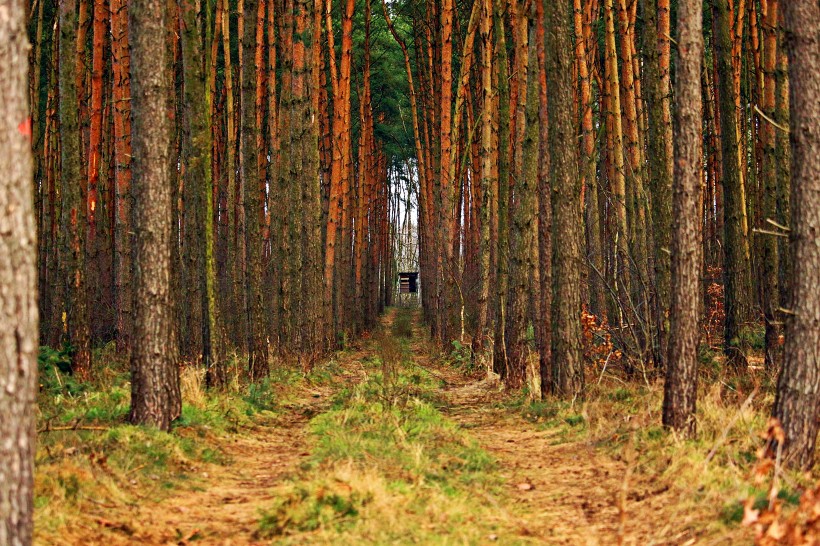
(409, 271)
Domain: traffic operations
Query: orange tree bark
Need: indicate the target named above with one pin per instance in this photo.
(449, 265)
(121, 94)
(621, 264)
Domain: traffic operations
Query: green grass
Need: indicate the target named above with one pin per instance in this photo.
(387, 465)
(88, 452)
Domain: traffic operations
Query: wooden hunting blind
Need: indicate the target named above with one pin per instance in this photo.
(408, 282)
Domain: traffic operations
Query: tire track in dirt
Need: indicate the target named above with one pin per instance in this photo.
(556, 491)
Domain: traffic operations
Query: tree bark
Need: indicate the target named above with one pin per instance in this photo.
(797, 388)
(155, 391)
(73, 211)
(568, 370)
(18, 284)
(737, 272)
(680, 389)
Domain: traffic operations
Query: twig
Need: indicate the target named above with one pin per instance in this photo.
(74, 426)
(767, 232)
(726, 430)
(777, 225)
(604, 369)
(62, 429)
(770, 120)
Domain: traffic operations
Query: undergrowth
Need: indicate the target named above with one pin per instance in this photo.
(710, 474)
(88, 456)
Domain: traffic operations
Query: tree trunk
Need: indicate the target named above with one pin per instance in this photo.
(737, 273)
(660, 160)
(198, 183)
(155, 391)
(73, 208)
(252, 200)
(18, 284)
(121, 68)
(680, 389)
(568, 370)
(480, 338)
(799, 382)
(769, 265)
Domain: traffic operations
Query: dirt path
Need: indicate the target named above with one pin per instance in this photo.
(561, 492)
(220, 504)
(556, 491)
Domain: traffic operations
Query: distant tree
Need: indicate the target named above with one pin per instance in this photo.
(74, 209)
(155, 394)
(737, 272)
(680, 389)
(18, 283)
(798, 388)
(198, 188)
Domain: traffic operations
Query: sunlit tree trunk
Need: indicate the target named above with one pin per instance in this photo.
(621, 266)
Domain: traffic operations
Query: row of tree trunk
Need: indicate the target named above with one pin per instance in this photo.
(280, 242)
(546, 157)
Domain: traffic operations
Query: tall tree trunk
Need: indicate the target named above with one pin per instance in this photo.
(198, 181)
(18, 284)
(449, 266)
(252, 200)
(73, 209)
(737, 272)
(770, 265)
(680, 389)
(121, 94)
(501, 196)
(523, 227)
(481, 335)
(660, 154)
(155, 391)
(568, 370)
(621, 265)
(799, 382)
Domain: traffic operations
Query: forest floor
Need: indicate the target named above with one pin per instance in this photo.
(391, 443)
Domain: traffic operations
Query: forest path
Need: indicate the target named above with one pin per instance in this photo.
(554, 487)
(224, 502)
(558, 490)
